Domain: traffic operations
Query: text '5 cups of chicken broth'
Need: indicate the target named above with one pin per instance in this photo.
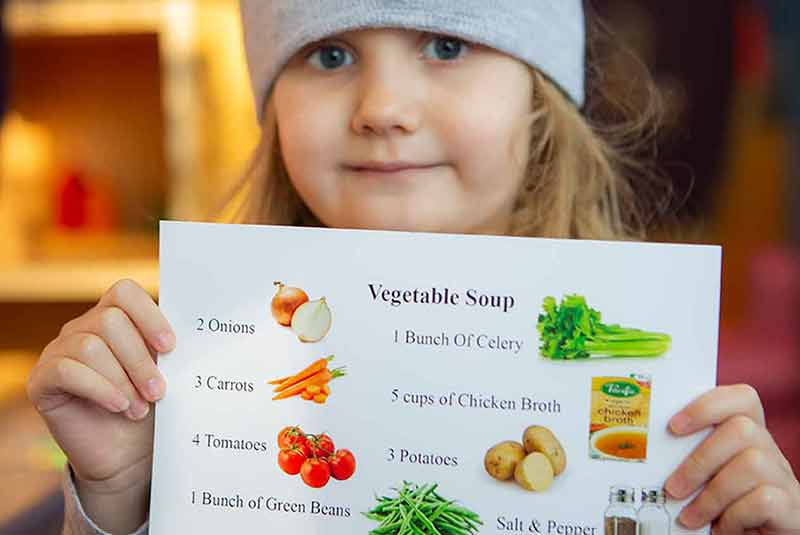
(619, 418)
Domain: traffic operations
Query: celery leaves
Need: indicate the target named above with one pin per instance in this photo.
(573, 330)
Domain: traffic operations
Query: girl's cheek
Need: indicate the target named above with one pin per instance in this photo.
(302, 143)
(490, 141)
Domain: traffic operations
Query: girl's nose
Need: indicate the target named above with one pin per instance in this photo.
(387, 104)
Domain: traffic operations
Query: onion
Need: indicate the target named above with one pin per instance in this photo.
(285, 302)
(312, 321)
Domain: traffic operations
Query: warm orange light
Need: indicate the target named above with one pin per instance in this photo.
(26, 150)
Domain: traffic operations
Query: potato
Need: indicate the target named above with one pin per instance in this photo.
(535, 472)
(540, 439)
(501, 460)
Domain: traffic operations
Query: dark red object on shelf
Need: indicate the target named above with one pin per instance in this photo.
(72, 201)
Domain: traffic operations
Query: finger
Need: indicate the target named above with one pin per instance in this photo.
(90, 350)
(716, 406)
(142, 310)
(747, 471)
(59, 380)
(114, 326)
(765, 507)
(735, 435)
(76, 325)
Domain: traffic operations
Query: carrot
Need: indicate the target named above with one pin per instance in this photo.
(314, 368)
(321, 378)
(278, 381)
(320, 398)
(305, 395)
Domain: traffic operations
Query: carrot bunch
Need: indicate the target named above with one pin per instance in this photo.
(311, 384)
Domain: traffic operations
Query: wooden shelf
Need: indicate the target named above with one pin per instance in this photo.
(183, 63)
(72, 281)
(208, 130)
(73, 17)
(15, 366)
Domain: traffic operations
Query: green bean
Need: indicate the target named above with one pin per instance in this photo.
(421, 510)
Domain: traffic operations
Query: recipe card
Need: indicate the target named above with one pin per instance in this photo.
(343, 381)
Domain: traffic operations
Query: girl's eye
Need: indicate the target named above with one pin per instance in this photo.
(445, 48)
(330, 57)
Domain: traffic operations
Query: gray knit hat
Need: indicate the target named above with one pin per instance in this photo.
(547, 34)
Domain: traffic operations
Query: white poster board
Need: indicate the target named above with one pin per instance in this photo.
(439, 342)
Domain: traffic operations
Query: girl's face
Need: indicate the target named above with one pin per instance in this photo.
(402, 130)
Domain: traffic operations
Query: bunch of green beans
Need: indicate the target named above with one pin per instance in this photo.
(420, 510)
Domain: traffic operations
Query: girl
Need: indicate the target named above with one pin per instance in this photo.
(424, 115)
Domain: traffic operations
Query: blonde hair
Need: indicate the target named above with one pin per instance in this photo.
(582, 174)
(580, 181)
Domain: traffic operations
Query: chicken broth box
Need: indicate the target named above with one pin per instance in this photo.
(342, 381)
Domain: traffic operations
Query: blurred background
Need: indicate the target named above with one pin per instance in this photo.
(117, 113)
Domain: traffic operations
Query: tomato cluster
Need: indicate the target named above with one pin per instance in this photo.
(314, 457)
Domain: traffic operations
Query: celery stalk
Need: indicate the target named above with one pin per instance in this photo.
(573, 330)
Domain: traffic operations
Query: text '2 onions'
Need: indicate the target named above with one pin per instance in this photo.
(312, 320)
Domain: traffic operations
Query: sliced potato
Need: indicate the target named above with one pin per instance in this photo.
(501, 460)
(537, 438)
(535, 472)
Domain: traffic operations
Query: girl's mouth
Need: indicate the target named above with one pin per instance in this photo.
(389, 168)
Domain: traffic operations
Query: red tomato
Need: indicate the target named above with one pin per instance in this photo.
(291, 460)
(315, 473)
(321, 446)
(291, 436)
(343, 465)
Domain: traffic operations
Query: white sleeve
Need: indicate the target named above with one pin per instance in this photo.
(76, 522)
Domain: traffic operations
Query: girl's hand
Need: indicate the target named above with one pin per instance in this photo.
(93, 386)
(749, 484)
